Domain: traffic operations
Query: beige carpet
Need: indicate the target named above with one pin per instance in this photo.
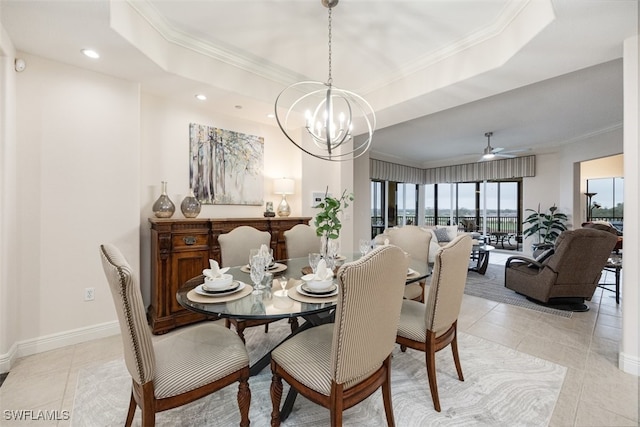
(502, 387)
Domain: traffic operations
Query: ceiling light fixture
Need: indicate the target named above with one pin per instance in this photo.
(90, 53)
(329, 115)
(201, 97)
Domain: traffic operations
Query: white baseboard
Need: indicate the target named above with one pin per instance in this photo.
(54, 341)
(629, 364)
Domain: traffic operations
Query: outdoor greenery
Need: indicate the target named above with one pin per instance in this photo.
(545, 226)
(327, 221)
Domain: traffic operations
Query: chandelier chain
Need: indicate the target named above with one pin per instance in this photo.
(330, 79)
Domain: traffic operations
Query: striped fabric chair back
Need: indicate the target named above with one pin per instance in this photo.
(368, 311)
(139, 355)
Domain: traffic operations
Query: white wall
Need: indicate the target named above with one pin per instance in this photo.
(629, 357)
(8, 205)
(78, 157)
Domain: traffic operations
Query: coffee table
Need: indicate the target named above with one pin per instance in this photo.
(480, 258)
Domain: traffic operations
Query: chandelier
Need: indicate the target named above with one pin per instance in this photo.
(329, 115)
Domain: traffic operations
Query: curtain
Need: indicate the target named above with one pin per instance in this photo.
(517, 167)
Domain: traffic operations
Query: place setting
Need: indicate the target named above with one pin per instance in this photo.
(315, 287)
(218, 286)
(267, 253)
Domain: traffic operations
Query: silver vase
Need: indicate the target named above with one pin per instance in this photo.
(163, 207)
(190, 205)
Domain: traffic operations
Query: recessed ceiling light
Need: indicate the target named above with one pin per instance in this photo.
(271, 115)
(201, 97)
(238, 107)
(91, 53)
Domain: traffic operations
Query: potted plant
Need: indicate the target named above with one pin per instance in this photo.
(544, 226)
(327, 221)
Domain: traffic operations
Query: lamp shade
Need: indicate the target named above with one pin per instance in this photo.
(283, 186)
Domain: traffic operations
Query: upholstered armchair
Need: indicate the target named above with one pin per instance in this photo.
(568, 275)
(181, 368)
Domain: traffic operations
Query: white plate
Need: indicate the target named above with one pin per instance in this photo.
(230, 287)
(201, 291)
(307, 294)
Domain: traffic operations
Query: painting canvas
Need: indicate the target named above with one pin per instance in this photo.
(226, 166)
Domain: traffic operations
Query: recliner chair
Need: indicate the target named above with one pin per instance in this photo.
(568, 276)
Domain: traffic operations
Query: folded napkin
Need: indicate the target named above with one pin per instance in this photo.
(264, 250)
(214, 271)
(322, 272)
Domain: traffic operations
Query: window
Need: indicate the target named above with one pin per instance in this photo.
(377, 208)
(607, 203)
(406, 206)
(455, 203)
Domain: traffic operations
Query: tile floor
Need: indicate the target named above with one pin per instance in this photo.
(595, 391)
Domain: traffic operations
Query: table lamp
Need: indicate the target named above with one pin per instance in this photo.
(283, 186)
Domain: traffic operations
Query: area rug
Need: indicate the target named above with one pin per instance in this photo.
(491, 286)
(502, 387)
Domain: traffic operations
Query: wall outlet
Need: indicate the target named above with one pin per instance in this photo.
(89, 294)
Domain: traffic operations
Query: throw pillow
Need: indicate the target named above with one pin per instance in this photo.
(542, 257)
(545, 255)
(452, 230)
(442, 235)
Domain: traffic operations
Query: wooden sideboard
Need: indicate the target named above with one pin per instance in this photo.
(181, 249)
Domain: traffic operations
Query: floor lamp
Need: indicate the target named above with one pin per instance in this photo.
(589, 196)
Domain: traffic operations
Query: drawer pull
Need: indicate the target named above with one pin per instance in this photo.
(189, 240)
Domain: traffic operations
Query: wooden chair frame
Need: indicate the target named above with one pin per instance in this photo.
(432, 345)
(143, 396)
(339, 399)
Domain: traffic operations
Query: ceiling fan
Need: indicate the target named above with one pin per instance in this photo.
(491, 153)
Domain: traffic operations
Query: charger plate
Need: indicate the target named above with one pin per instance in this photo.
(297, 296)
(212, 299)
(277, 268)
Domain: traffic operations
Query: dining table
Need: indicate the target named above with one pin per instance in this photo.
(272, 303)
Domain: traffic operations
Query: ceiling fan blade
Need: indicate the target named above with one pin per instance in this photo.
(505, 155)
(521, 150)
(497, 150)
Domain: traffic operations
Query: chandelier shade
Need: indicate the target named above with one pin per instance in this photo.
(325, 116)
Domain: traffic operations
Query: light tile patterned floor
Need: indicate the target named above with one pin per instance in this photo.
(595, 391)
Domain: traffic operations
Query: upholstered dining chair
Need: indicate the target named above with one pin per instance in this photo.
(415, 241)
(433, 326)
(236, 244)
(301, 240)
(185, 366)
(340, 364)
(234, 251)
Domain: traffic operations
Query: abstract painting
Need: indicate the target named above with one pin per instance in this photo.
(225, 166)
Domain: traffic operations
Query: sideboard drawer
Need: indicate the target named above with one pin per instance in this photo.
(193, 240)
